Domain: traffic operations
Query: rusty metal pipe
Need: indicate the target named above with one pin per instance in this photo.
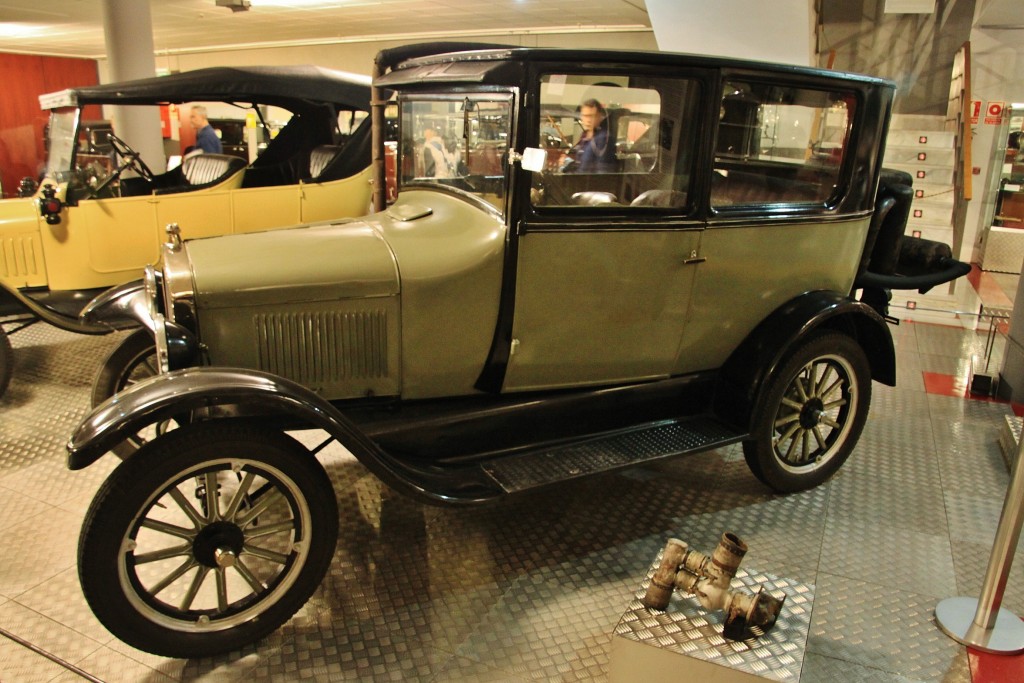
(709, 578)
(664, 580)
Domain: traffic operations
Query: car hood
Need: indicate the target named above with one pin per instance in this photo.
(347, 259)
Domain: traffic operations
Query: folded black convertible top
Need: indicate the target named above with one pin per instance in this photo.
(285, 86)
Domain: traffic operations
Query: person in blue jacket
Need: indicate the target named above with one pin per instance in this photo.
(594, 152)
(206, 136)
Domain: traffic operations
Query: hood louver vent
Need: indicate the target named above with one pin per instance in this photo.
(323, 348)
(18, 257)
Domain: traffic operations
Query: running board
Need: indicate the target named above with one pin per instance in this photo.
(607, 452)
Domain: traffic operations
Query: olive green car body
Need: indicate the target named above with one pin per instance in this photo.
(495, 288)
(554, 293)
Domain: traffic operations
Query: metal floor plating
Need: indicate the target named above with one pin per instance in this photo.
(533, 588)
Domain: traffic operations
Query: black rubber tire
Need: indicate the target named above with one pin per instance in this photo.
(815, 436)
(6, 361)
(133, 360)
(116, 563)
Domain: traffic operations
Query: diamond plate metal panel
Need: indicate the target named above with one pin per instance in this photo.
(939, 340)
(37, 549)
(819, 669)
(924, 563)
(46, 634)
(688, 629)
(971, 464)
(108, 665)
(875, 625)
(60, 598)
(532, 587)
(899, 401)
(1009, 439)
(20, 665)
(971, 562)
(16, 508)
(951, 408)
(972, 518)
(465, 670)
(547, 628)
(559, 464)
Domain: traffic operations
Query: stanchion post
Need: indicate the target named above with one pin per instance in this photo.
(982, 623)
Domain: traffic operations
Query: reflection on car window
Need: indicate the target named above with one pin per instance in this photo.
(779, 145)
(460, 143)
(615, 141)
(61, 142)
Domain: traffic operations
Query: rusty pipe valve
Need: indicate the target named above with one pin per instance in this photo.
(708, 578)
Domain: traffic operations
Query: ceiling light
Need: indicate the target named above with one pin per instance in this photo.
(293, 3)
(909, 6)
(15, 30)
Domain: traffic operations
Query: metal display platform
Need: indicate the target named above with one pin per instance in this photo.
(694, 636)
(532, 588)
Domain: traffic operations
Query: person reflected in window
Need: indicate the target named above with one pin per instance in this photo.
(437, 163)
(594, 151)
(206, 136)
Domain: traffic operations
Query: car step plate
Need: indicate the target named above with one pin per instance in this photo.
(609, 452)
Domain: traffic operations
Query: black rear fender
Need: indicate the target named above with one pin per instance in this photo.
(768, 346)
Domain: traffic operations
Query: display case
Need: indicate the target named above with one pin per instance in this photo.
(1003, 243)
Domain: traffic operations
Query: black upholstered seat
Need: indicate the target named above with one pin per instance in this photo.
(207, 169)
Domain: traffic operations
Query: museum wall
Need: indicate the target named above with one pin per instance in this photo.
(915, 50)
(25, 78)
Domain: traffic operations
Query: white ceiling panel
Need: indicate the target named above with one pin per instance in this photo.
(75, 28)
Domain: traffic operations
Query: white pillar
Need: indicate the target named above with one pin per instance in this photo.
(128, 32)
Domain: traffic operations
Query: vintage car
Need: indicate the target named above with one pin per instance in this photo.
(506, 324)
(90, 226)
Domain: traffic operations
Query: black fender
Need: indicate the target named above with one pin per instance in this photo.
(170, 394)
(121, 306)
(64, 322)
(767, 347)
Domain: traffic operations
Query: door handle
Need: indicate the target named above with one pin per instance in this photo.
(693, 258)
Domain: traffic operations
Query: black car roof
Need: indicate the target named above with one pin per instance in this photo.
(285, 86)
(420, 63)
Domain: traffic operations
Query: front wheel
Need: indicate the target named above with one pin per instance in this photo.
(210, 538)
(812, 413)
(132, 361)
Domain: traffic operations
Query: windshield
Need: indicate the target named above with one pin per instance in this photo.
(460, 143)
(60, 143)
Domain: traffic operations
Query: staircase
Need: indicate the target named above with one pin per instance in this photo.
(919, 146)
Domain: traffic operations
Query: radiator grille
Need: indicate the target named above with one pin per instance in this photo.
(19, 258)
(323, 347)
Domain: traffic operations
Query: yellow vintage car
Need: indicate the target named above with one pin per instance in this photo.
(97, 219)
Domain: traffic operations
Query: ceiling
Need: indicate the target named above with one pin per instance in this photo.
(75, 27)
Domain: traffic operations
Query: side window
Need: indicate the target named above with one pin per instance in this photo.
(615, 141)
(780, 145)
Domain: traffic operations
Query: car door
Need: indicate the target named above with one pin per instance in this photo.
(780, 223)
(608, 249)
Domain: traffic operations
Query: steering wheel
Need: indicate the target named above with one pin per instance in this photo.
(130, 158)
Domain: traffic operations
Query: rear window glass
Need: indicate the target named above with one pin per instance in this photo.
(779, 145)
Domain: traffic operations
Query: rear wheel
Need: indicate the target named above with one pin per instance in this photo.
(812, 414)
(208, 539)
(6, 361)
